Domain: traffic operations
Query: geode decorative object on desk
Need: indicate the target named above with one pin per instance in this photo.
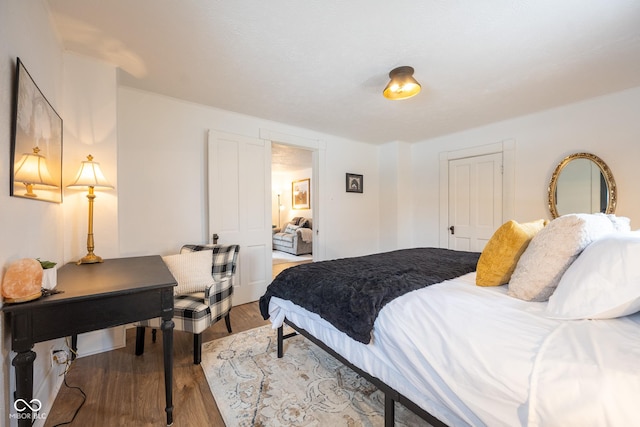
(23, 281)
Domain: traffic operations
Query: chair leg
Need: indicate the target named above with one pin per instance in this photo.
(197, 349)
(227, 320)
(153, 335)
(140, 340)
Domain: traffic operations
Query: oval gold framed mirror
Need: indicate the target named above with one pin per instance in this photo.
(582, 183)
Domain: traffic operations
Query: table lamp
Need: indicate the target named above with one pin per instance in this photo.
(90, 175)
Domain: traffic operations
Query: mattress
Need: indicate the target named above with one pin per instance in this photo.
(474, 356)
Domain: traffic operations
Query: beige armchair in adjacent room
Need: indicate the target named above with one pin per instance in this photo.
(296, 237)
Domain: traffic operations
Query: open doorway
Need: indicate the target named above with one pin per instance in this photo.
(291, 206)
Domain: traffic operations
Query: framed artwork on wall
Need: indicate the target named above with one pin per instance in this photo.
(300, 194)
(354, 183)
(36, 145)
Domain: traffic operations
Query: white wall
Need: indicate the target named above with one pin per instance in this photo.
(396, 202)
(281, 184)
(162, 199)
(90, 127)
(29, 228)
(606, 126)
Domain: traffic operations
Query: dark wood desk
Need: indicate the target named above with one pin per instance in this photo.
(96, 296)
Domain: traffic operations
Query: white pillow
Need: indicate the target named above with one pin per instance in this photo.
(291, 229)
(192, 271)
(620, 223)
(551, 251)
(603, 283)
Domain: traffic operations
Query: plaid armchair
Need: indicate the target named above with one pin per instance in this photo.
(195, 312)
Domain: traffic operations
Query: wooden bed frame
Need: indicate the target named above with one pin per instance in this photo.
(390, 395)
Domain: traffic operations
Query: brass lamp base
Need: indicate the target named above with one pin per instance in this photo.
(29, 192)
(90, 258)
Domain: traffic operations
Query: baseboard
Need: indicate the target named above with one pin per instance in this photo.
(47, 393)
(100, 341)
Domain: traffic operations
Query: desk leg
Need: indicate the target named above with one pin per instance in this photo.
(167, 346)
(74, 346)
(23, 363)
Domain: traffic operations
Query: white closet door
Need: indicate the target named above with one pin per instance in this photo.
(239, 194)
(475, 201)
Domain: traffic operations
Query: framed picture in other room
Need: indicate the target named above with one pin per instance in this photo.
(354, 183)
(300, 194)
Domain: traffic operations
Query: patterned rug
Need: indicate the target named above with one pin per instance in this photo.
(307, 387)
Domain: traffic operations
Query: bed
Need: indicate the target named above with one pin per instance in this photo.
(460, 354)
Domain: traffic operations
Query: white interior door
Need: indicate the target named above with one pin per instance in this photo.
(475, 201)
(239, 197)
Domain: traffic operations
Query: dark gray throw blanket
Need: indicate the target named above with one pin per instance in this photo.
(350, 292)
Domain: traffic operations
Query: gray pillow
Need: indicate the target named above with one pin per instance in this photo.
(291, 229)
(552, 251)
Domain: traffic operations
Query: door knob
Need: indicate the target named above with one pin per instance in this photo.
(452, 229)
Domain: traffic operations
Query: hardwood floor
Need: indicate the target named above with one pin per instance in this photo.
(277, 268)
(125, 390)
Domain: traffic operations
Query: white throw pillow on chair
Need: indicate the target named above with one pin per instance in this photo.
(192, 271)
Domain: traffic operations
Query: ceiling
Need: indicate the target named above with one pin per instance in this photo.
(285, 158)
(322, 64)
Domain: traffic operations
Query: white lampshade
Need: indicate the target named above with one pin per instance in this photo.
(32, 169)
(90, 175)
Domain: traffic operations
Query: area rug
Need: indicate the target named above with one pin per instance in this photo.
(307, 387)
(280, 257)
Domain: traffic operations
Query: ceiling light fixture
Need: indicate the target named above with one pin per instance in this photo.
(402, 84)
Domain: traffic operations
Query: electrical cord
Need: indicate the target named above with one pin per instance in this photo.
(84, 399)
(84, 396)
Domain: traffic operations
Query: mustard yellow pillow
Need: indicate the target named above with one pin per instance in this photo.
(501, 254)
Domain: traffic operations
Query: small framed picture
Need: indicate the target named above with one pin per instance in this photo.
(300, 194)
(354, 183)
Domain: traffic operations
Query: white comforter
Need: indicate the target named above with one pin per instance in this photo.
(475, 356)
